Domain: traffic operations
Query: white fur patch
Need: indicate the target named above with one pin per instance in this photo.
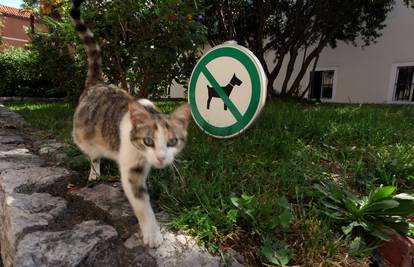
(146, 103)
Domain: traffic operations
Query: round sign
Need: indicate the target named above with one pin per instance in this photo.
(227, 90)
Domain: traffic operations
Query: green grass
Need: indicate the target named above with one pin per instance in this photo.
(54, 118)
(255, 193)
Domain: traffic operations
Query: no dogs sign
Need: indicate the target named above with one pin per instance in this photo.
(227, 90)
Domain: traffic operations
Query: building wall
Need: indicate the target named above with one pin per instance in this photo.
(366, 75)
(177, 90)
(13, 32)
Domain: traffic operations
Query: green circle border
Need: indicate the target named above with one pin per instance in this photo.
(248, 116)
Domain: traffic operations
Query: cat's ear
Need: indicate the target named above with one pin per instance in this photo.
(137, 114)
(182, 115)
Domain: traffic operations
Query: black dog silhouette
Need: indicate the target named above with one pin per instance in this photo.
(227, 89)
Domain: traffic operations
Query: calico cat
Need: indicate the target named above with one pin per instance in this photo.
(110, 123)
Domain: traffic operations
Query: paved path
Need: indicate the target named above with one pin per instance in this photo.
(48, 219)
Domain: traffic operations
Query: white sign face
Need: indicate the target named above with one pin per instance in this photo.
(227, 90)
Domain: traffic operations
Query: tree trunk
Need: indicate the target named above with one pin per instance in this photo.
(289, 71)
(121, 72)
(143, 92)
(311, 78)
(222, 21)
(272, 76)
(32, 23)
(307, 62)
(294, 92)
(145, 84)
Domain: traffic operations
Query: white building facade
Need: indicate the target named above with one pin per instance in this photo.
(380, 73)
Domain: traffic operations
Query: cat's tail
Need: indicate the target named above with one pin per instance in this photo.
(93, 49)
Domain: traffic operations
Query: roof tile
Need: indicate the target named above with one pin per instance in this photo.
(11, 11)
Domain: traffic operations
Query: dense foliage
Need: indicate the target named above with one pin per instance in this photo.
(45, 69)
(65, 71)
(145, 44)
(20, 75)
(152, 44)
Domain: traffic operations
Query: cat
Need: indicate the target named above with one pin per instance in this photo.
(227, 90)
(108, 122)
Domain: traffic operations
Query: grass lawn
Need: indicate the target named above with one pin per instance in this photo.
(255, 194)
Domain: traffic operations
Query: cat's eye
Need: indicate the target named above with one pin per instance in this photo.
(148, 141)
(172, 142)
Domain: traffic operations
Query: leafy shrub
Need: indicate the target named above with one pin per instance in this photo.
(373, 217)
(20, 75)
(65, 71)
(49, 67)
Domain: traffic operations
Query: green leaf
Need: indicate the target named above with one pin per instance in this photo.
(232, 215)
(351, 206)
(405, 209)
(358, 248)
(382, 192)
(250, 213)
(348, 229)
(157, 11)
(401, 227)
(247, 198)
(283, 203)
(235, 201)
(285, 218)
(278, 257)
(380, 206)
(334, 215)
(379, 234)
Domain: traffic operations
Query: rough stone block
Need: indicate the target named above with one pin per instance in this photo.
(177, 250)
(110, 199)
(87, 244)
(18, 158)
(11, 139)
(21, 213)
(113, 203)
(34, 179)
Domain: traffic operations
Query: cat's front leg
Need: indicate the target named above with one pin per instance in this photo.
(134, 185)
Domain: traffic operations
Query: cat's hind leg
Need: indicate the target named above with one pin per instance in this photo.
(95, 171)
(92, 152)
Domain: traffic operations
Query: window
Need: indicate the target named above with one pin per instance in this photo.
(404, 86)
(322, 84)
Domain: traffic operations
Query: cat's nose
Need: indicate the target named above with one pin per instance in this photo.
(161, 159)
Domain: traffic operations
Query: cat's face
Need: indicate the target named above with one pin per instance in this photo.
(159, 136)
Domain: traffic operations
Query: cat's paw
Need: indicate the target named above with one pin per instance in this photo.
(93, 177)
(153, 238)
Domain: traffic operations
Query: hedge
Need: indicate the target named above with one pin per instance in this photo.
(20, 75)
